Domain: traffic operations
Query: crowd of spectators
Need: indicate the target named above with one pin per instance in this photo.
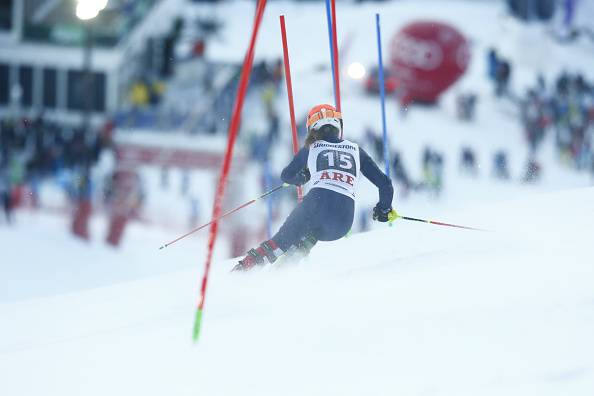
(567, 109)
(32, 151)
(564, 106)
(432, 167)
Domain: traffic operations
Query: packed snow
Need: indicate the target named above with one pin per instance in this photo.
(412, 308)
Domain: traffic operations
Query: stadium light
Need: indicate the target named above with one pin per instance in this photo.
(101, 4)
(89, 9)
(356, 71)
(86, 11)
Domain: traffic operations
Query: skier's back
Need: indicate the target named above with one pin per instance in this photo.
(333, 167)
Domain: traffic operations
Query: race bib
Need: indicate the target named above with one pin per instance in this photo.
(334, 166)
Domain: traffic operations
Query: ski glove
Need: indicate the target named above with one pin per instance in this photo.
(384, 214)
(302, 177)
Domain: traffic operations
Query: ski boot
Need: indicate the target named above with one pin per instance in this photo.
(306, 244)
(300, 250)
(267, 251)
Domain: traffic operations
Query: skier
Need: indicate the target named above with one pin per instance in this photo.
(333, 167)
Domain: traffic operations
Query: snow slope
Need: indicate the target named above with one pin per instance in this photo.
(412, 309)
(39, 258)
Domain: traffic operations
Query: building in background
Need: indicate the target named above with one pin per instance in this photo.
(44, 66)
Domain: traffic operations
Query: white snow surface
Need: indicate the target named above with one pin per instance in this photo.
(411, 309)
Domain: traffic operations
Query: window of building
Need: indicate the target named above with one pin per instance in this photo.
(99, 83)
(26, 83)
(79, 96)
(49, 88)
(4, 83)
(6, 15)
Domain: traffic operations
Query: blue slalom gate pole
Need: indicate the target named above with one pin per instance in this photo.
(382, 89)
(332, 60)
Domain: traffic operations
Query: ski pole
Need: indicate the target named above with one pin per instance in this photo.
(393, 216)
(226, 214)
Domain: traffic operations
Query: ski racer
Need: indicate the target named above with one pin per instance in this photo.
(333, 167)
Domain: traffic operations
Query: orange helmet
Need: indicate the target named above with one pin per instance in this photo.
(323, 114)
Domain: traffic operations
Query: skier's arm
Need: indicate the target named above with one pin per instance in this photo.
(378, 178)
(296, 172)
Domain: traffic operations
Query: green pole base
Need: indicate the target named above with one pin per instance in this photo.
(197, 325)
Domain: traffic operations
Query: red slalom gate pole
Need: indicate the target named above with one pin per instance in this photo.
(290, 95)
(233, 128)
